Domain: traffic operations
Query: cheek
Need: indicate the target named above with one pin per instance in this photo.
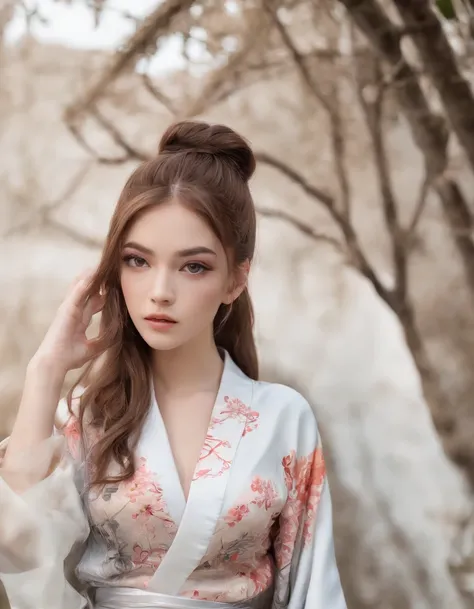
(208, 293)
(130, 289)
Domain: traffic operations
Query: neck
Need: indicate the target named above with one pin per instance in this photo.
(187, 369)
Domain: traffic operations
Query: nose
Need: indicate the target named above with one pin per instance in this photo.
(163, 289)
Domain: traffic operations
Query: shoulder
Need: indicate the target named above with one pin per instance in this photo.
(283, 402)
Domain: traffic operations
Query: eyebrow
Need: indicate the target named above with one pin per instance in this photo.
(191, 251)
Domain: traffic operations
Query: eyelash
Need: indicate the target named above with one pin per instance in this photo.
(129, 257)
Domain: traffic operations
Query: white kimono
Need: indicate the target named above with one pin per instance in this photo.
(256, 530)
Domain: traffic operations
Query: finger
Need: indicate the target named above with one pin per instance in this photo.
(78, 294)
(93, 306)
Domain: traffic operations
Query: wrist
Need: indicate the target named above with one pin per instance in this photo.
(46, 368)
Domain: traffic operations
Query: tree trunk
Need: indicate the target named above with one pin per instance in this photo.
(440, 63)
(428, 129)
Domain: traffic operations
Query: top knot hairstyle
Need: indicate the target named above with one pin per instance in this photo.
(218, 141)
(206, 168)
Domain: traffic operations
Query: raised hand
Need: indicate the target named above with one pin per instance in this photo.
(66, 345)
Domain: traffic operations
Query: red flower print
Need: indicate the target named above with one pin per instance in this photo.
(304, 478)
(266, 492)
(214, 447)
(318, 475)
(146, 510)
(143, 489)
(236, 514)
(257, 485)
(235, 409)
(211, 449)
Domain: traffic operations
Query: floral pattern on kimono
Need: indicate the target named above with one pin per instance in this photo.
(234, 409)
(141, 499)
(257, 518)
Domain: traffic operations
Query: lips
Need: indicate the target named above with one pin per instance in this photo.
(161, 318)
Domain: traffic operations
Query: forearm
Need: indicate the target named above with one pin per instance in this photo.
(35, 419)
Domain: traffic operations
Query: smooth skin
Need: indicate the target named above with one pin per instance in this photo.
(159, 275)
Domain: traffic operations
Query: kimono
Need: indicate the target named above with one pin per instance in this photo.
(255, 531)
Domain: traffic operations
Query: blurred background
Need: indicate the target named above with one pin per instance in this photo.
(361, 115)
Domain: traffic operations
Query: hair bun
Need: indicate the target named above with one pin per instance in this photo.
(218, 140)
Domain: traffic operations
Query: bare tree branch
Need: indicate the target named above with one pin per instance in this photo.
(216, 82)
(118, 138)
(43, 215)
(158, 95)
(316, 193)
(80, 139)
(358, 257)
(368, 69)
(298, 58)
(428, 129)
(139, 43)
(410, 230)
(330, 103)
(304, 228)
(440, 63)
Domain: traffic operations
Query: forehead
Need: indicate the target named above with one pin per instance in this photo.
(172, 226)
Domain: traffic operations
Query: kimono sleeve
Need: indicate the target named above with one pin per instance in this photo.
(42, 522)
(307, 576)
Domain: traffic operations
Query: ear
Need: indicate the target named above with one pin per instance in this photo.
(239, 282)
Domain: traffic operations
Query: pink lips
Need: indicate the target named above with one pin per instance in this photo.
(160, 322)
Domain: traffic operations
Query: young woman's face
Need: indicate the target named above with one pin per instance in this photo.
(174, 276)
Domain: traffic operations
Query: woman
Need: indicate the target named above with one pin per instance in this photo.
(172, 477)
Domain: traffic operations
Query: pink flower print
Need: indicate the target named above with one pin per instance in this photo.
(140, 483)
(288, 463)
(257, 485)
(304, 478)
(146, 511)
(252, 421)
(266, 491)
(211, 450)
(235, 409)
(236, 514)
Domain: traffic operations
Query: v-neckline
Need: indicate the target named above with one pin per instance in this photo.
(218, 401)
(197, 517)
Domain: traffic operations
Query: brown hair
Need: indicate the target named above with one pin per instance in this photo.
(207, 168)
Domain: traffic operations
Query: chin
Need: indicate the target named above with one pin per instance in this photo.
(161, 342)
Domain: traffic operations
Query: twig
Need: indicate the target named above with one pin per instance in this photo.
(299, 225)
(410, 230)
(42, 216)
(255, 33)
(158, 95)
(78, 136)
(119, 139)
(373, 114)
(330, 104)
(138, 44)
(297, 57)
(358, 256)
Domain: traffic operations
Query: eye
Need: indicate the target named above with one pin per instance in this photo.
(195, 268)
(134, 261)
